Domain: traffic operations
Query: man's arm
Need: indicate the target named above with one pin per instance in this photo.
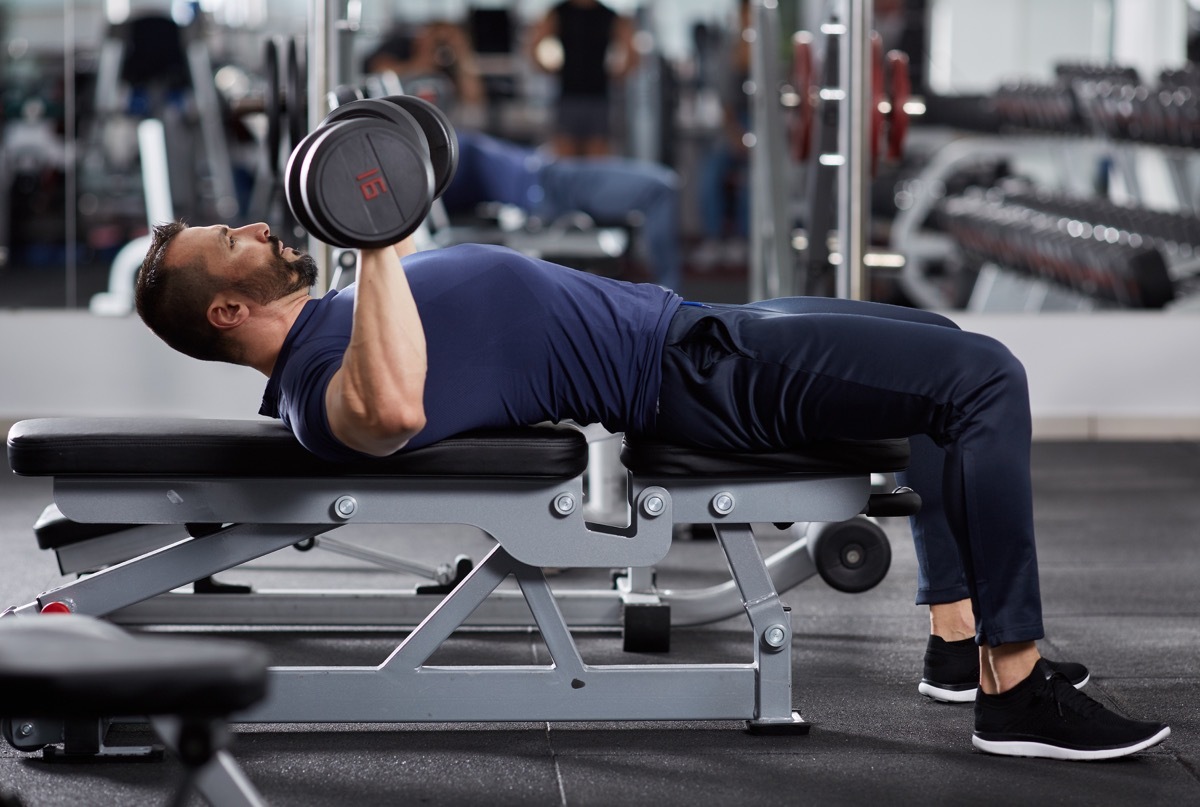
(546, 27)
(375, 400)
(626, 53)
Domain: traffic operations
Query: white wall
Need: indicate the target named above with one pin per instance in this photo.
(975, 45)
(72, 363)
(1091, 375)
(1105, 375)
(1150, 35)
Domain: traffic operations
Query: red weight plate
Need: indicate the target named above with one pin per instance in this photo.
(899, 93)
(802, 79)
(877, 97)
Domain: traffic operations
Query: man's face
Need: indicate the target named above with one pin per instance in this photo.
(249, 258)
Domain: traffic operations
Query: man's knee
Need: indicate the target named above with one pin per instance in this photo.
(999, 364)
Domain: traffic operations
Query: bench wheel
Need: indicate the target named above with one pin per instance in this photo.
(851, 556)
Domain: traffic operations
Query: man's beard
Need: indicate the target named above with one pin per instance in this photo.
(279, 277)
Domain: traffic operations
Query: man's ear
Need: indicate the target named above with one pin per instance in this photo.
(227, 311)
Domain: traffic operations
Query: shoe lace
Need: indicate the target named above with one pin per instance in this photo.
(1064, 693)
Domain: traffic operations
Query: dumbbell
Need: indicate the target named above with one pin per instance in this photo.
(368, 174)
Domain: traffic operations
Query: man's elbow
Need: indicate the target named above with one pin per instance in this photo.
(380, 432)
(389, 434)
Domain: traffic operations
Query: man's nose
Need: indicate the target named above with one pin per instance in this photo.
(259, 231)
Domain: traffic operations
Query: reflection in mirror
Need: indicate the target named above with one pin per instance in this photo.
(122, 113)
(1063, 178)
(82, 175)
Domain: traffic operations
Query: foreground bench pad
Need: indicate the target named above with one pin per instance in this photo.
(76, 667)
(209, 447)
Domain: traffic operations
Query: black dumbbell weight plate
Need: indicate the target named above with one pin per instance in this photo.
(343, 94)
(297, 100)
(439, 133)
(291, 185)
(379, 109)
(273, 105)
(364, 184)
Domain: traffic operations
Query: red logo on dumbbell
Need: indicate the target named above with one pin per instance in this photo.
(371, 187)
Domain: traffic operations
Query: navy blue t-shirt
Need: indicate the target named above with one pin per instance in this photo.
(510, 341)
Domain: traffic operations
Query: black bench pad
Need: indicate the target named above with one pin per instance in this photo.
(54, 530)
(655, 458)
(230, 448)
(73, 666)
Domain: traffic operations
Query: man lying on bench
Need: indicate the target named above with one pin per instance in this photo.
(432, 344)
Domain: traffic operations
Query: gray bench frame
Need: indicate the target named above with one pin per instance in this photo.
(268, 514)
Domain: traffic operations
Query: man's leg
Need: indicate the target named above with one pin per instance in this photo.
(753, 379)
(951, 664)
(940, 581)
(765, 376)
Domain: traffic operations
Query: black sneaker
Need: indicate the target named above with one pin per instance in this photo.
(952, 671)
(1044, 716)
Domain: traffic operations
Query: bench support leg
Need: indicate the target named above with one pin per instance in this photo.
(772, 627)
(171, 567)
(218, 779)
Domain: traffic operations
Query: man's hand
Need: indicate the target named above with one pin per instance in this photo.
(375, 400)
(406, 247)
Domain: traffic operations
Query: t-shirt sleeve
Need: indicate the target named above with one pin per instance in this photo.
(302, 399)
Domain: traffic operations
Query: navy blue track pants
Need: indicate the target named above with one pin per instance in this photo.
(786, 372)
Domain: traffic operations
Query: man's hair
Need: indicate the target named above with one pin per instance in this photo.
(172, 299)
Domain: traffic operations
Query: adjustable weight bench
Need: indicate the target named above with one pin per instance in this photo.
(246, 489)
(63, 679)
(851, 556)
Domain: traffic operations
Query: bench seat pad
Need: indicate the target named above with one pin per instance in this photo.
(69, 665)
(190, 447)
(54, 530)
(651, 457)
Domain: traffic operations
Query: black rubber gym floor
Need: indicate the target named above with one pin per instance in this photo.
(1119, 544)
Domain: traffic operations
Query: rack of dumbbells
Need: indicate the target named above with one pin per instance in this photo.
(1040, 251)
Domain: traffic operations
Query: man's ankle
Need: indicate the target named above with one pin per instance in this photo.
(952, 621)
(1004, 666)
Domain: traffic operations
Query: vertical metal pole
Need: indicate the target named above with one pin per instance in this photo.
(771, 257)
(853, 142)
(321, 45)
(70, 203)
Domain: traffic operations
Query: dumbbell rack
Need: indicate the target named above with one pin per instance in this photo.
(1081, 261)
(1098, 114)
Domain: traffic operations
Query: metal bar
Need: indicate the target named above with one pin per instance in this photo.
(451, 612)
(69, 170)
(383, 559)
(770, 242)
(504, 608)
(174, 566)
(506, 694)
(854, 145)
(220, 781)
(549, 619)
(212, 131)
(320, 34)
(156, 174)
(772, 653)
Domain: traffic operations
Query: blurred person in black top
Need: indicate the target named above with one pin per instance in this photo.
(597, 47)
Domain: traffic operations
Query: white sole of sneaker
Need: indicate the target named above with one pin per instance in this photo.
(947, 695)
(964, 695)
(1019, 748)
